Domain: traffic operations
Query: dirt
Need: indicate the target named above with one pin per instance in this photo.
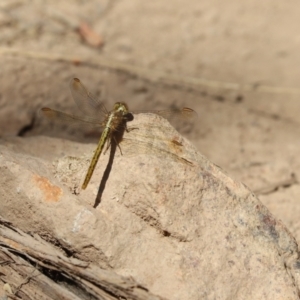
(235, 63)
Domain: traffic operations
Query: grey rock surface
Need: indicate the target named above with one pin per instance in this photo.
(168, 217)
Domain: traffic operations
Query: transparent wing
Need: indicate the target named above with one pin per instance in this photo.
(154, 139)
(172, 149)
(52, 114)
(86, 101)
(184, 113)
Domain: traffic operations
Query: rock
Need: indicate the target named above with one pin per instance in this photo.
(167, 217)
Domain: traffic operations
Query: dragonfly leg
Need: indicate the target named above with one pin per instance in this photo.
(130, 129)
(107, 146)
(118, 144)
(120, 149)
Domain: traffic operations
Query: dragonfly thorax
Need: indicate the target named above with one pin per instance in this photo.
(121, 107)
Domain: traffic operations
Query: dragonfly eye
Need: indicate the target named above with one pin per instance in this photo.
(128, 117)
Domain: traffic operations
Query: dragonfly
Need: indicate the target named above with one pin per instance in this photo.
(114, 122)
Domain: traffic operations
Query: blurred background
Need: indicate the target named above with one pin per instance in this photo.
(236, 63)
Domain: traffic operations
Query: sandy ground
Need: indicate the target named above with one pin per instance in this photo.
(235, 63)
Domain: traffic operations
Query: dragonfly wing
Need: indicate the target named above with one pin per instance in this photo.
(86, 101)
(68, 118)
(184, 113)
(168, 149)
